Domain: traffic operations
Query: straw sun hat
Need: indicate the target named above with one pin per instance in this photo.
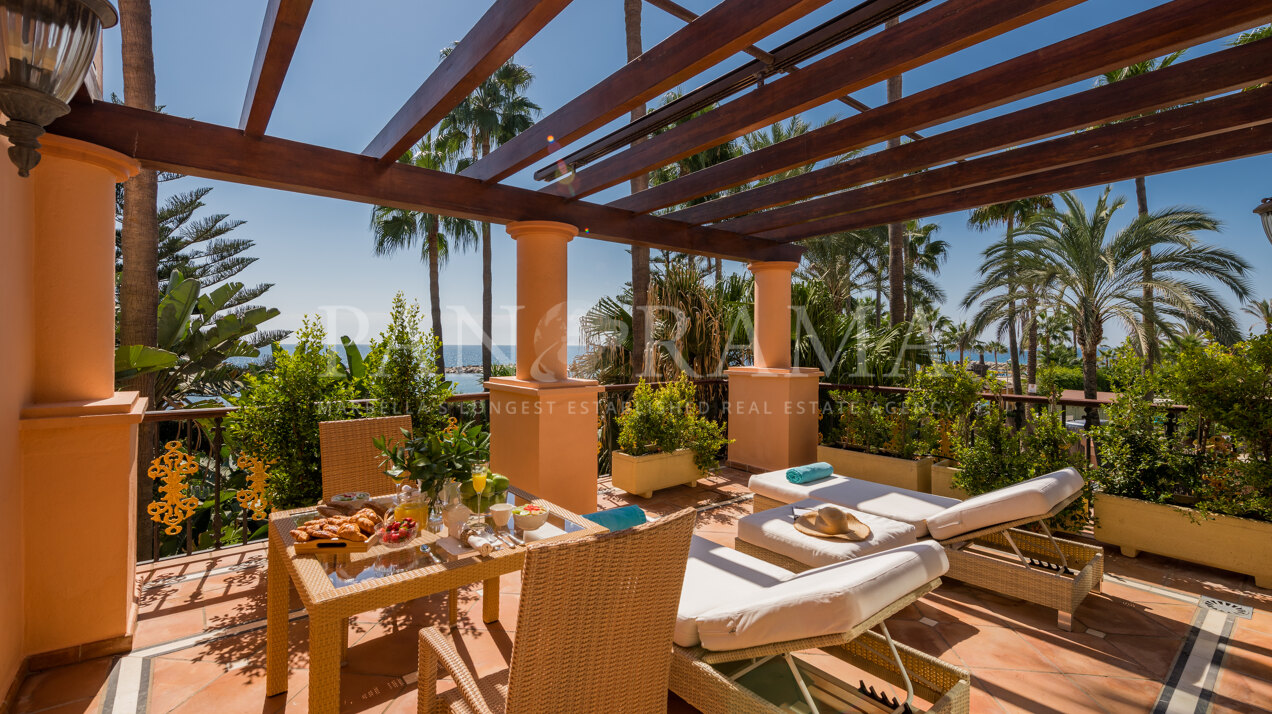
(830, 521)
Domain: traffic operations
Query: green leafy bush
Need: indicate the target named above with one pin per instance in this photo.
(874, 423)
(279, 411)
(432, 457)
(401, 371)
(1055, 379)
(943, 399)
(668, 419)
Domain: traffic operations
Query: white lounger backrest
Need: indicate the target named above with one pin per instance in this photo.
(1028, 499)
(824, 601)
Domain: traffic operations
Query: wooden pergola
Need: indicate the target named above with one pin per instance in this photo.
(1161, 121)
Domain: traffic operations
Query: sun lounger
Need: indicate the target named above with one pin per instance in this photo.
(740, 619)
(984, 545)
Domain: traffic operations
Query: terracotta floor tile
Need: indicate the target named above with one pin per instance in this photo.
(1036, 692)
(78, 682)
(1117, 694)
(923, 638)
(1154, 654)
(384, 651)
(1080, 653)
(234, 691)
(158, 628)
(1249, 652)
(982, 702)
(1136, 595)
(1111, 615)
(994, 648)
(172, 682)
(1235, 692)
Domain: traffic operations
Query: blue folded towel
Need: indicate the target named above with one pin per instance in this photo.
(810, 472)
(617, 519)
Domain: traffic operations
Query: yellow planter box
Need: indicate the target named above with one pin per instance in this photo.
(642, 475)
(1237, 544)
(943, 480)
(914, 474)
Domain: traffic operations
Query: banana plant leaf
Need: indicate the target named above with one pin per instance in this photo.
(132, 360)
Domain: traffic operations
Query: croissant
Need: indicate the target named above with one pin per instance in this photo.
(328, 534)
(367, 525)
(300, 536)
(350, 532)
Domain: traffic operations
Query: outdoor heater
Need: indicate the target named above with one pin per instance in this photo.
(46, 47)
(1265, 213)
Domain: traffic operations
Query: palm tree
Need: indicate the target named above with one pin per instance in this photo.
(1009, 214)
(994, 348)
(841, 262)
(961, 337)
(1254, 35)
(640, 254)
(924, 257)
(494, 113)
(1261, 310)
(1093, 276)
(1149, 346)
(139, 240)
(396, 229)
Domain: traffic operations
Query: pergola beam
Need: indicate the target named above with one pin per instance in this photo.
(1162, 159)
(1152, 33)
(703, 43)
(1178, 84)
(280, 32)
(1194, 121)
(505, 28)
(195, 148)
(938, 32)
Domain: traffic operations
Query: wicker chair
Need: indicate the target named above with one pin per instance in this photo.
(350, 461)
(593, 631)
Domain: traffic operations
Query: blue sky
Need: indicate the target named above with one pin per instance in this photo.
(354, 68)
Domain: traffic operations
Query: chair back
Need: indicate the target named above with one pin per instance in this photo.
(350, 461)
(596, 619)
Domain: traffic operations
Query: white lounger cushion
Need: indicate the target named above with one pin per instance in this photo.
(774, 529)
(899, 504)
(1027, 499)
(818, 602)
(716, 572)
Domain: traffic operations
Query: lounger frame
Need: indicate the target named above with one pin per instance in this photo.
(698, 682)
(998, 558)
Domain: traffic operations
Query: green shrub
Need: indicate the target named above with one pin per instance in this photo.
(1053, 380)
(279, 411)
(874, 423)
(433, 457)
(401, 370)
(667, 419)
(942, 401)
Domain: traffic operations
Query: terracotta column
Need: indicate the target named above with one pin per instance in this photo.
(542, 423)
(78, 435)
(772, 407)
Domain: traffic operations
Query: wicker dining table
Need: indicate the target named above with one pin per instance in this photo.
(332, 588)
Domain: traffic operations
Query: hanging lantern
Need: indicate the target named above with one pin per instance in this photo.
(1265, 213)
(46, 48)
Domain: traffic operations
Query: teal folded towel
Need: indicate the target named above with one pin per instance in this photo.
(809, 472)
(617, 519)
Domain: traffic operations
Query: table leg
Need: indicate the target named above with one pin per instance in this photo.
(277, 605)
(344, 642)
(490, 600)
(325, 634)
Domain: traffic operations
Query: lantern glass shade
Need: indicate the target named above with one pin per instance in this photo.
(48, 45)
(1265, 214)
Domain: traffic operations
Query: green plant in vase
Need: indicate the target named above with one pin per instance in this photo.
(433, 458)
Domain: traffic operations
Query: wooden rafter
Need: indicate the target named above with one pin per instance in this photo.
(196, 148)
(505, 28)
(722, 31)
(1162, 159)
(938, 32)
(284, 21)
(1152, 33)
(1194, 121)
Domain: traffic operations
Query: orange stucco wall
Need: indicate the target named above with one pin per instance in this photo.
(15, 378)
(67, 439)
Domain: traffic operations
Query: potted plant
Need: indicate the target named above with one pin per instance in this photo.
(1218, 462)
(663, 440)
(432, 458)
(944, 399)
(874, 441)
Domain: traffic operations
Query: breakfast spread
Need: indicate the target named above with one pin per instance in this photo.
(355, 527)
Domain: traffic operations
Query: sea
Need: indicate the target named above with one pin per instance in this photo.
(463, 356)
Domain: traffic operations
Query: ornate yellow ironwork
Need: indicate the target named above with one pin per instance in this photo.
(253, 497)
(172, 467)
